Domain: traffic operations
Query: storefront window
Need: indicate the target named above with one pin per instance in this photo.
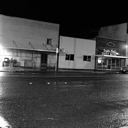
(109, 63)
(99, 60)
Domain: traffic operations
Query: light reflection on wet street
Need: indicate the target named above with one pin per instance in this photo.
(93, 102)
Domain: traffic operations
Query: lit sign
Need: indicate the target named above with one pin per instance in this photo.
(110, 52)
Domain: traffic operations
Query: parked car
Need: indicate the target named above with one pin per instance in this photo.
(124, 69)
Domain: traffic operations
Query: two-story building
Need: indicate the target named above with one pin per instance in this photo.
(27, 43)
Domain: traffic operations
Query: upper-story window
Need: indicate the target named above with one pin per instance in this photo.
(49, 41)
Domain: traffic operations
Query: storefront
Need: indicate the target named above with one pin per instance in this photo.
(110, 54)
(105, 62)
(27, 59)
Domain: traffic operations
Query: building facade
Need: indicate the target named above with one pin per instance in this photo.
(27, 43)
(110, 54)
(99, 54)
(76, 53)
(33, 44)
(111, 47)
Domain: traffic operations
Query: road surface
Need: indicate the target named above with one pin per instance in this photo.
(90, 101)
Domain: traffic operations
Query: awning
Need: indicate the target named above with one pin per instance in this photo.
(28, 47)
(111, 56)
(33, 50)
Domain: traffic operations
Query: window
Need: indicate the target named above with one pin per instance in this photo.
(49, 41)
(86, 58)
(69, 57)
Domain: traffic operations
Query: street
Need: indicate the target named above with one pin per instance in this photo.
(95, 100)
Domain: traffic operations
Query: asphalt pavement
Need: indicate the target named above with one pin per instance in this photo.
(58, 74)
(95, 100)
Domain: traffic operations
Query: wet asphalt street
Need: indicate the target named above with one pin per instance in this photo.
(91, 101)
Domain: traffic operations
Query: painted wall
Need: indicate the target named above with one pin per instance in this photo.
(115, 32)
(24, 58)
(78, 47)
(51, 61)
(27, 34)
(20, 33)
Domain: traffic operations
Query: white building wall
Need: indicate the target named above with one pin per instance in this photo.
(85, 47)
(18, 32)
(78, 47)
(24, 58)
(67, 44)
(51, 60)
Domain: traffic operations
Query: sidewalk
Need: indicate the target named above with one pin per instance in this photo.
(53, 73)
(17, 69)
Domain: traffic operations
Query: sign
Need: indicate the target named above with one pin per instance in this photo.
(114, 47)
(110, 52)
(110, 44)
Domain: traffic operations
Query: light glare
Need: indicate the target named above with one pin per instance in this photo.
(4, 123)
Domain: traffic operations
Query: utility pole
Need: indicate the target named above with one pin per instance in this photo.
(57, 54)
(56, 67)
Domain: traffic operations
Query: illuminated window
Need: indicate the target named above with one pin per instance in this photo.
(86, 58)
(100, 60)
(69, 57)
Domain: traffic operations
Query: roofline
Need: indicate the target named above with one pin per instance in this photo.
(110, 56)
(34, 50)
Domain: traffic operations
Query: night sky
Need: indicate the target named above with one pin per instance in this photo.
(76, 19)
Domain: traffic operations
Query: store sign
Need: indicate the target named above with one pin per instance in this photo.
(110, 44)
(112, 47)
(110, 52)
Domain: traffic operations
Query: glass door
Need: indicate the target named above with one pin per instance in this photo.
(109, 63)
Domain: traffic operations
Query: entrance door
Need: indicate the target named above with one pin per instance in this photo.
(44, 61)
(109, 64)
(113, 63)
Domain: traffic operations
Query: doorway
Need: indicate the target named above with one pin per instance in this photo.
(44, 58)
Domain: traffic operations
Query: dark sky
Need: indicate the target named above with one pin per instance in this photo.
(76, 19)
